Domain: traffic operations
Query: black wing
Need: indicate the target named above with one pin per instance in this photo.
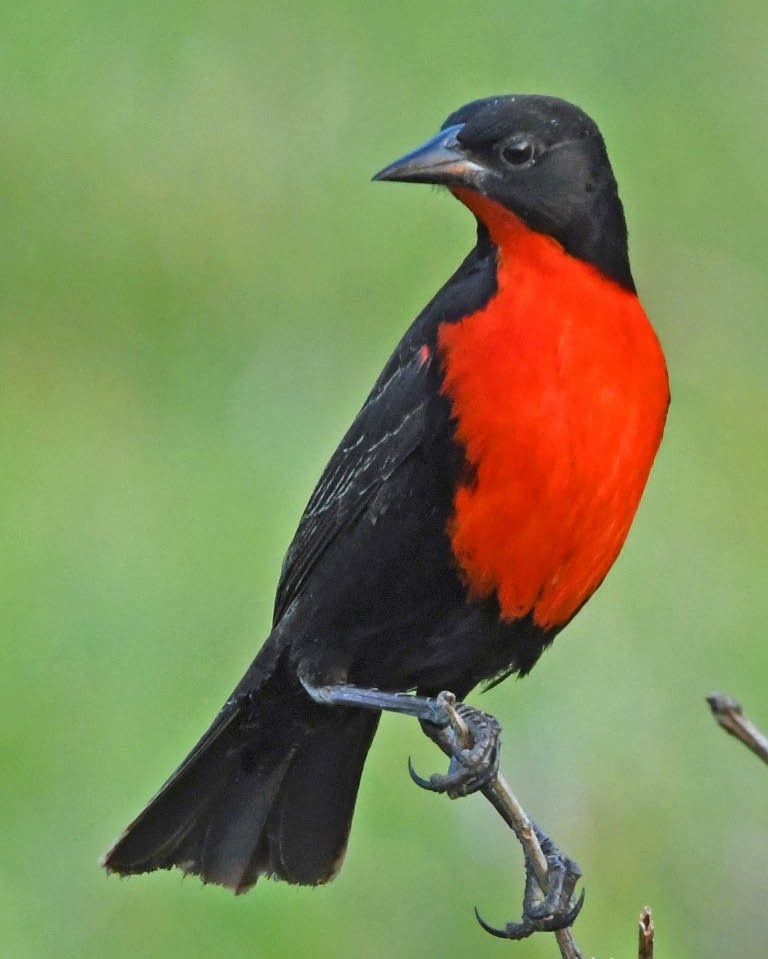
(403, 411)
(390, 426)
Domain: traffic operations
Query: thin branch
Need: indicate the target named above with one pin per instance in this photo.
(729, 714)
(504, 801)
(645, 936)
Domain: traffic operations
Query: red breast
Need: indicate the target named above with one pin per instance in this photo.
(560, 392)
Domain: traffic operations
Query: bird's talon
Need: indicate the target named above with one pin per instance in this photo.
(420, 780)
(530, 923)
(571, 917)
(494, 931)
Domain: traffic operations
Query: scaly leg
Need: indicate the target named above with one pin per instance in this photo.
(469, 737)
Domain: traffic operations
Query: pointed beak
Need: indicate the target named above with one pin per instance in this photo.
(440, 160)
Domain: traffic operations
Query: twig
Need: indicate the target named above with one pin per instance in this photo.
(646, 931)
(504, 801)
(730, 716)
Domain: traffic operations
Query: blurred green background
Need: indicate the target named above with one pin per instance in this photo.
(199, 285)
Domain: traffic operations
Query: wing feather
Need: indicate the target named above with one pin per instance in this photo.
(390, 427)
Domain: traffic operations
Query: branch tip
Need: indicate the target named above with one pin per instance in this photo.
(728, 713)
(646, 934)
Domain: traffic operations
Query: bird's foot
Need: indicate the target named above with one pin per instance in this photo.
(472, 740)
(468, 736)
(557, 909)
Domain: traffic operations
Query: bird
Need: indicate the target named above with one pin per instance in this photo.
(476, 502)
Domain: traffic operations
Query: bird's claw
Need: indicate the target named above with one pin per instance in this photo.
(544, 913)
(471, 739)
(529, 925)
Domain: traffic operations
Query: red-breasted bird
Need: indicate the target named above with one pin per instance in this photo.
(475, 504)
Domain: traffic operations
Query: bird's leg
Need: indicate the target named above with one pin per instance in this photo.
(421, 707)
(470, 738)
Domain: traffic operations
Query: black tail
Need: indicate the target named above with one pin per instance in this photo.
(269, 790)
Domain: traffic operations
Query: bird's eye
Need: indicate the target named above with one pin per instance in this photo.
(519, 152)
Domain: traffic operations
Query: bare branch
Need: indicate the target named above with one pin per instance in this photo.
(646, 932)
(730, 716)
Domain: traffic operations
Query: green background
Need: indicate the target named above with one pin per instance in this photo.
(198, 286)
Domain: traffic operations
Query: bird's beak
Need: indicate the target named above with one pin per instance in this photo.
(440, 160)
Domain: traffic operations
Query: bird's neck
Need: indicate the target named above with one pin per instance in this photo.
(597, 236)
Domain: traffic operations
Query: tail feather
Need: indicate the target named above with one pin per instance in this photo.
(229, 838)
(269, 790)
(309, 824)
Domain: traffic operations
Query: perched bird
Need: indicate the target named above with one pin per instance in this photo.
(476, 502)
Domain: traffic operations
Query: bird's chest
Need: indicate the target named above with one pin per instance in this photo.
(559, 391)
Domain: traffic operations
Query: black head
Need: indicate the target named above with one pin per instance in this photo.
(540, 157)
